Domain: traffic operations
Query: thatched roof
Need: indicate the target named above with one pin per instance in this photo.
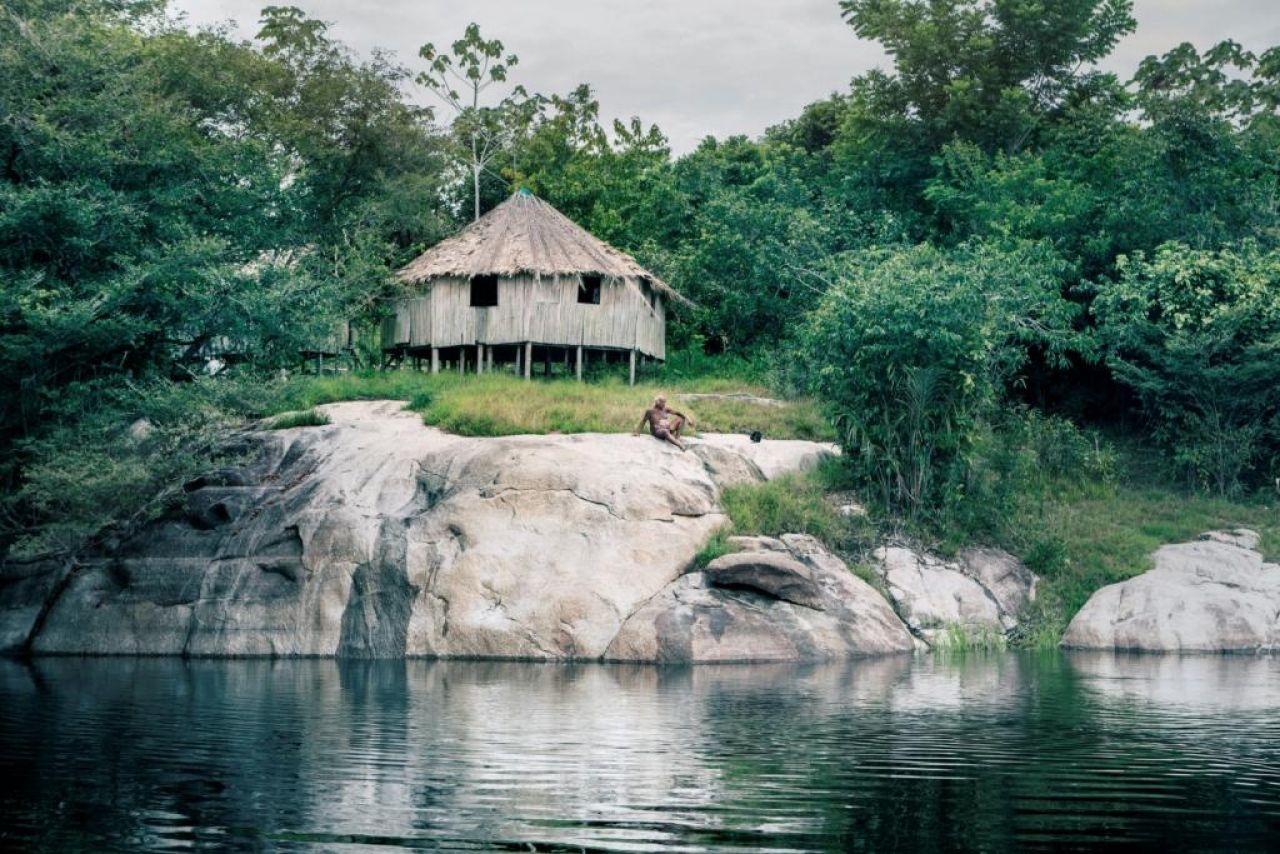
(525, 235)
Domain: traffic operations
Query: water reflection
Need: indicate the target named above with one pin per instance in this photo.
(923, 754)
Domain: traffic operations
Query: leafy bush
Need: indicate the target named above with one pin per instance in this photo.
(1017, 459)
(913, 348)
(117, 455)
(1196, 334)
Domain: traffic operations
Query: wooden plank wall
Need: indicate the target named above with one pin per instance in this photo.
(544, 310)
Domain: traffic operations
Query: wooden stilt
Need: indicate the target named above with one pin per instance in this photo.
(479, 359)
(632, 369)
(528, 359)
(435, 360)
(577, 364)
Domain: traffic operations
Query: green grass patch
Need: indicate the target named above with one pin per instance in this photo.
(715, 547)
(503, 405)
(299, 418)
(1081, 540)
(957, 638)
(806, 503)
(792, 504)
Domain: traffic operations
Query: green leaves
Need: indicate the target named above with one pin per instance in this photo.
(913, 347)
(985, 71)
(1196, 335)
(167, 195)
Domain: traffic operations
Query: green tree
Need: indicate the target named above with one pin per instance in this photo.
(458, 78)
(166, 194)
(987, 71)
(913, 349)
(1196, 335)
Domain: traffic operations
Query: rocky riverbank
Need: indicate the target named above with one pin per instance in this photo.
(377, 536)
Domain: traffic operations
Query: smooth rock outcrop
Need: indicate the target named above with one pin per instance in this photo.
(1213, 595)
(778, 600)
(981, 592)
(772, 457)
(378, 536)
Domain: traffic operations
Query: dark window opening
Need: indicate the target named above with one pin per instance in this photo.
(589, 290)
(650, 292)
(484, 291)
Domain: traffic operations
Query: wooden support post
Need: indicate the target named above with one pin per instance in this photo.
(578, 363)
(479, 359)
(435, 360)
(528, 359)
(488, 352)
(462, 360)
(633, 367)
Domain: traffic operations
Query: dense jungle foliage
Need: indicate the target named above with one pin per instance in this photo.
(996, 266)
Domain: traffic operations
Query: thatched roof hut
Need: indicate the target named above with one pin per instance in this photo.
(523, 276)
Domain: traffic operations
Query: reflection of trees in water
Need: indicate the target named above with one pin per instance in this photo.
(977, 752)
(1006, 752)
(144, 749)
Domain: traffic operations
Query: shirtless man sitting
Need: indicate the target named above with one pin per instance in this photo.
(664, 423)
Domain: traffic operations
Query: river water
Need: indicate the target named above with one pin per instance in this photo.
(978, 753)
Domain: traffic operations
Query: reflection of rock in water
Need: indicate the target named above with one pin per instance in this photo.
(988, 752)
(1195, 682)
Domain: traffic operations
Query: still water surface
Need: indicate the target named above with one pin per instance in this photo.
(985, 753)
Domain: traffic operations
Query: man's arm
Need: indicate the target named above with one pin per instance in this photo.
(643, 421)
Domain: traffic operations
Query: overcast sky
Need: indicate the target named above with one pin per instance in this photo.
(697, 67)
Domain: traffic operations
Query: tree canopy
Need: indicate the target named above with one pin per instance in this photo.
(991, 209)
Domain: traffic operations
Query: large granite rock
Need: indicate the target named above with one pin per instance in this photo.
(378, 536)
(778, 600)
(980, 593)
(1213, 595)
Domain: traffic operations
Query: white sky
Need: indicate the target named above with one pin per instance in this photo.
(697, 67)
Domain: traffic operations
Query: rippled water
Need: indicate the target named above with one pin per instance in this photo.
(988, 753)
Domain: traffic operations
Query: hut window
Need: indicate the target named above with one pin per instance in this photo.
(649, 291)
(484, 291)
(589, 290)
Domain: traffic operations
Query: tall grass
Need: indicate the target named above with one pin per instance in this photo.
(299, 418)
(806, 503)
(502, 404)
